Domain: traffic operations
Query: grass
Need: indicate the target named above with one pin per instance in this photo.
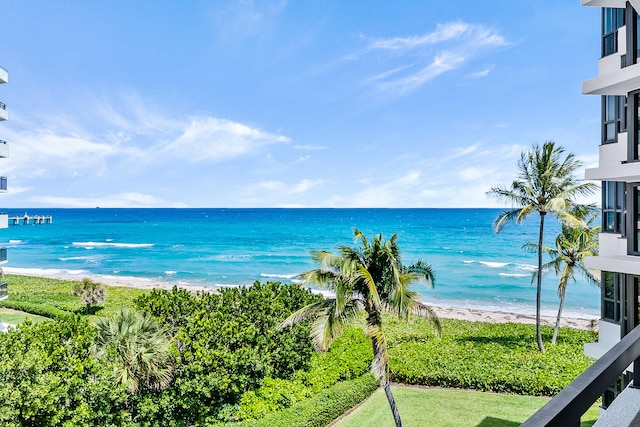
(423, 407)
(14, 317)
(487, 357)
(58, 294)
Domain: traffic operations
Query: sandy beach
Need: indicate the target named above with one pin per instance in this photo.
(460, 313)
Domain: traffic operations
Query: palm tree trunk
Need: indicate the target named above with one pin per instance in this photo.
(374, 319)
(555, 330)
(392, 404)
(539, 284)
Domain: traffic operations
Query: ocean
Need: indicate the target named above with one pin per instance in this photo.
(474, 266)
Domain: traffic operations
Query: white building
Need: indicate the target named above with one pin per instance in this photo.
(618, 84)
(4, 153)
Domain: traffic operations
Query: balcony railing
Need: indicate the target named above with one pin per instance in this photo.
(566, 408)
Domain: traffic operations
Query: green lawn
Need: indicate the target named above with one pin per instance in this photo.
(58, 294)
(14, 317)
(424, 407)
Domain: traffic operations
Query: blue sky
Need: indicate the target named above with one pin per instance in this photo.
(288, 103)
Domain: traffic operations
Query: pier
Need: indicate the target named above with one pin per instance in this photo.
(30, 219)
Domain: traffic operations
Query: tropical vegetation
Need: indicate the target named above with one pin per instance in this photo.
(90, 292)
(233, 367)
(546, 184)
(573, 245)
(366, 280)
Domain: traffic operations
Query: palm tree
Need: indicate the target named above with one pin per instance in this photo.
(139, 347)
(368, 279)
(545, 184)
(573, 245)
(90, 293)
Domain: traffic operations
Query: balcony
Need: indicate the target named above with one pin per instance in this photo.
(604, 3)
(566, 408)
(4, 75)
(4, 149)
(619, 82)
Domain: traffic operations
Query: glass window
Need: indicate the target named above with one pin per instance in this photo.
(611, 296)
(613, 207)
(614, 110)
(612, 19)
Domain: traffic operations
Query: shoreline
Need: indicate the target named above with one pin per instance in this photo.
(446, 312)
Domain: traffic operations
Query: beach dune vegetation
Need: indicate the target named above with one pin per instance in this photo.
(233, 366)
(90, 292)
(140, 348)
(546, 184)
(369, 279)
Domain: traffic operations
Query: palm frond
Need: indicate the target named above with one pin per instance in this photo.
(308, 312)
(372, 290)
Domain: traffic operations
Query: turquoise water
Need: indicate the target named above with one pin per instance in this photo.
(474, 266)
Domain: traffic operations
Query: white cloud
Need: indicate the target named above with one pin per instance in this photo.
(283, 188)
(305, 185)
(121, 200)
(456, 42)
(310, 147)
(212, 139)
(481, 73)
(130, 133)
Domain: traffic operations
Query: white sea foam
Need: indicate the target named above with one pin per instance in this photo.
(278, 276)
(170, 272)
(15, 242)
(494, 264)
(526, 267)
(78, 258)
(88, 245)
(467, 261)
(45, 272)
(514, 274)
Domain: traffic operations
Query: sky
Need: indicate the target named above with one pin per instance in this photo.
(300, 103)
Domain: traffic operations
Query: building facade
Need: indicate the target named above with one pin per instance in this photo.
(4, 153)
(618, 85)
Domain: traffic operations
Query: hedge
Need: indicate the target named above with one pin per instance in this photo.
(39, 309)
(319, 410)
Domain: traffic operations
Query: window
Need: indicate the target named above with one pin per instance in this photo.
(612, 291)
(614, 117)
(633, 237)
(613, 207)
(633, 126)
(612, 19)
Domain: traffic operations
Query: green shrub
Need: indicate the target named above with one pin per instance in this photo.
(319, 410)
(349, 357)
(41, 310)
(487, 357)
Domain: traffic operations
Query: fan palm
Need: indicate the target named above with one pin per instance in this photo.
(90, 293)
(139, 347)
(573, 245)
(369, 279)
(545, 184)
